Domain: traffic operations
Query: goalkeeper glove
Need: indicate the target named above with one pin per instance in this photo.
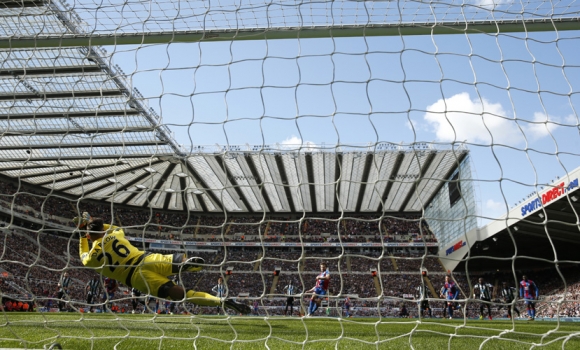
(83, 220)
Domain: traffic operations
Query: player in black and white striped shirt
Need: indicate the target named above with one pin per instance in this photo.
(482, 291)
(93, 291)
(220, 291)
(289, 290)
(422, 296)
(136, 299)
(508, 296)
(63, 286)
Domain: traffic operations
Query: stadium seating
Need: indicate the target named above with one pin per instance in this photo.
(33, 273)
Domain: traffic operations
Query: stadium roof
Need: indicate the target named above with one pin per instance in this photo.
(541, 232)
(253, 181)
(70, 123)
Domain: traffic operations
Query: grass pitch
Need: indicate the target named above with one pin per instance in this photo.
(141, 332)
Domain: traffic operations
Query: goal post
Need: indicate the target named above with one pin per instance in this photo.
(311, 32)
(88, 24)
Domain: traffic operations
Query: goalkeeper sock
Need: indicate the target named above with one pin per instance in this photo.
(203, 299)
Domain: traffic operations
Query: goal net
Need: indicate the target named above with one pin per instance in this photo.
(396, 141)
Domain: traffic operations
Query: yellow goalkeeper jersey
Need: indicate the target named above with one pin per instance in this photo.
(112, 255)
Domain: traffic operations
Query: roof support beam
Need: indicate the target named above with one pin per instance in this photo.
(133, 182)
(557, 215)
(61, 95)
(564, 225)
(234, 183)
(183, 193)
(125, 185)
(14, 4)
(259, 181)
(87, 158)
(365, 177)
(337, 171)
(51, 70)
(168, 197)
(424, 168)
(390, 180)
(201, 184)
(82, 145)
(310, 172)
(98, 188)
(160, 182)
(93, 114)
(30, 164)
(280, 164)
(99, 131)
(201, 202)
(71, 171)
(27, 166)
(552, 237)
(84, 180)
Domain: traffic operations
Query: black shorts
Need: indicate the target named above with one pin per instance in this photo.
(424, 304)
(90, 298)
(289, 300)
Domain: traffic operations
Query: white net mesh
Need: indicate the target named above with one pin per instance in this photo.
(388, 139)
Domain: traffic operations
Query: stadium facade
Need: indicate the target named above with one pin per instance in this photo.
(540, 232)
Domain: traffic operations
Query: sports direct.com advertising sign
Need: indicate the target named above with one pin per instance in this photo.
(548, 196)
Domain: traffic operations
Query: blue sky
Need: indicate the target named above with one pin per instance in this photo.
(355, 91)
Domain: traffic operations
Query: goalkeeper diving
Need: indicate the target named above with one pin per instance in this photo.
(112, 255)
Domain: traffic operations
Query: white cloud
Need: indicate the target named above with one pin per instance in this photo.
(490, 204)
(544, 127)
(296, 143)
(493, 209)
(412, 125)
(292, 140)
(571, 120)
(491, 4)
(460, 118)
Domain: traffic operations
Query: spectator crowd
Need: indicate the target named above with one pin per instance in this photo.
(380, 281)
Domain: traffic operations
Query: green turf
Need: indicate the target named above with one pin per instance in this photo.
(140, 332)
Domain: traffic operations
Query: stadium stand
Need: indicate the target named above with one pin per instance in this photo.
(31, 275)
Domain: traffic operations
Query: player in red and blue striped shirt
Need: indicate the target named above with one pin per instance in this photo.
(450, 292)
(347, 306)
(320, 289)
(529, 291)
